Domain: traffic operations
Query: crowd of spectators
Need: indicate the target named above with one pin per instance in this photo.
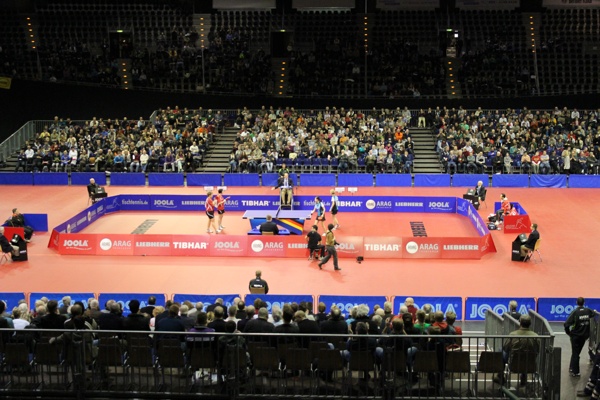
(176, 142)
(409, 331)
(518, 141)
(345, 139)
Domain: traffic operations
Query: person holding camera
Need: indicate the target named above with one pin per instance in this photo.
(331, 251)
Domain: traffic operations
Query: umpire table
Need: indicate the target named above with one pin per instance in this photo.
(293, 220)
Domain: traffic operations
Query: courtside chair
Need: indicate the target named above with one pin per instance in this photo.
(536, 249)
(258, 290)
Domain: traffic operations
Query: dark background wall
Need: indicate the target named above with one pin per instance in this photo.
(28, 100)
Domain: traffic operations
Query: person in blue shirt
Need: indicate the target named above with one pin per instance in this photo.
(320, 210)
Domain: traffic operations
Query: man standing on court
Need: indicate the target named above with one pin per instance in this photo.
(577, 326)
(258, 282)
(331, 251)
(285, 184)
(209, 206)
(220, 203)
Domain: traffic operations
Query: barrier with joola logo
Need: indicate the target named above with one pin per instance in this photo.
(372, 247)
(67, 240)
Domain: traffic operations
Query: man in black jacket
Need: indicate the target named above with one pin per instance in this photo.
(529, 245)
(52, 320)
(258, 282)
(577, 326)
(6, 246)
(269, 226)
(136, 321)
(260, 324)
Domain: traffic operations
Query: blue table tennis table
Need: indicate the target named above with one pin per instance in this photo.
(293, 220)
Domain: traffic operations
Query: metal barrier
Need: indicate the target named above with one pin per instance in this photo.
(14, 142)
(129, 364)
(594, 334)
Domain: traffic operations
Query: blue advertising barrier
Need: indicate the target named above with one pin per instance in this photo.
(317, 180)
(444, 304)
(83, 178)
(475, 307)
(355, 180)
(584, 181)
(125, 298)
(270, 179)
(556, 309)
(16, 178)
(170, 202)
(83, 297)
(345, 303)
(206, 299)
(393, 180)
(155, 179)
(12, 299)
(518, 206)
(509, 180)
(134, 202)
(50, 178)
(548, 181)
(429, 180)
(278, 299)
(39, 222)
(241, 180)
(440, 205)
(469, 180)
(204, 179)
(128, 179)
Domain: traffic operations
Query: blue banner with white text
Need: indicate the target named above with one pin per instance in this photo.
(444, 304)
(556, 309)
(206, 299)
(83, 297)
(475, 307)
(125, 298)
(346, 303)
(278, 299)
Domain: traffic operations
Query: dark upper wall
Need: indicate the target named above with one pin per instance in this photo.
(28, 100)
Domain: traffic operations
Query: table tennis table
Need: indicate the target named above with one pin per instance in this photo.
(293, 220)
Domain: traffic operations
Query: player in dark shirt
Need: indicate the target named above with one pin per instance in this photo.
(314, 243)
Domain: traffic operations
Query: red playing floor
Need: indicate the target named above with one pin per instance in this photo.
(368, 224)
(567, 221)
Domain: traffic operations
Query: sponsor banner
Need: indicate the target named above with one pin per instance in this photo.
(490, 4)
(83, 297)
(266, 246)
(114, 244)
(134, 202)
(444, 304)
(77, 243)
(206, 299)
(421, 247)
(487, 244)
(409, 204)
(440, 204)
(296, 246)
(556, 309)
(572, 3)
(457, 247)
(152, 245)
(517, 224)
(345, 303)
(124, 298)
(112, 204)
(190, 245)
(278, 299)
(407, 4)
(476, 220)
(382, 247)
(228, 246)
(54, 237)
(176, 203)
(462, 207)
(12, 299)
(475, 307)
(349, 246)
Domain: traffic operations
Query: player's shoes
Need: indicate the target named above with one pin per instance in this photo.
(219, 230)
(221, 227)
(209, 231)
(310, 258)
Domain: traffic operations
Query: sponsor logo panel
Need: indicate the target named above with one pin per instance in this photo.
(152, 245)
(228, 246)
(349, 246)
(114, 244)
(421, 247)
(77, 243)
(382, 247)
(261, 246)
(190, 245)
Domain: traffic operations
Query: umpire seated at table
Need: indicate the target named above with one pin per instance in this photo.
(285, 184)
(269, 227)
(529, 245)
(6, 246)
(92, 188)
(480, 191)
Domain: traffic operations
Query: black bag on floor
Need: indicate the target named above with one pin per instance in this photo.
(28, 232)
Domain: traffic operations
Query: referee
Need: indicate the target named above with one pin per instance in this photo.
(577, 326)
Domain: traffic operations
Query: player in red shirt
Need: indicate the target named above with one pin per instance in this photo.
(220, 204)
(209, 206)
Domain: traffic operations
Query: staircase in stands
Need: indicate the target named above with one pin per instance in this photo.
(216, 159)
(427, 160)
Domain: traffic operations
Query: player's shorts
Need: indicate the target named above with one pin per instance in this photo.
(321, 218)
(334, 210)
(220, 211)
(210, 214)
